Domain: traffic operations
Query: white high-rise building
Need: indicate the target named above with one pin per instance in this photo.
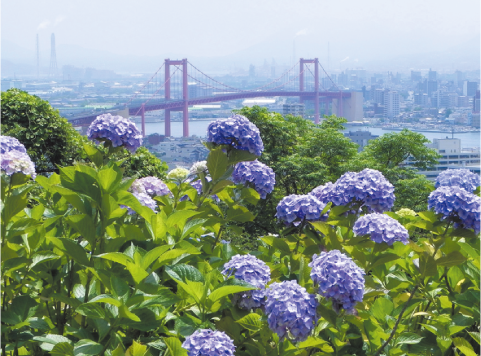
(391, 104)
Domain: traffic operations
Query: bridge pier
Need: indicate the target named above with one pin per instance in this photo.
(167, 123)
(185, 111)
(142, 116)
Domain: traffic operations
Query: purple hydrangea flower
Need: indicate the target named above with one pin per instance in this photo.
(143, 199)
(323, 192)
(152, 186)
(338, 278)
(462, 178)
(120, 131)
(236, 131)
(253, 271)
(295, 208)
(8, 143)
(206, 342)
(382, 228)
(261, 176)
(17, 162)
(457, 205)
(368, 186)
(290, 310)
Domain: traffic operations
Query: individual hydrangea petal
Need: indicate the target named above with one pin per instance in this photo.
(206, 342)
(178, 174)
(338, 278)
(261, 176)
(143, 199)
(198, 167)
(462, 178)
(253, 271)
(295, 208)
(17, 162)
(120, 131)
(323, 192)
(368, 187)
(457, 205)
(152, 186)
(236, 131)
(381, 228)
(290, 310)
(406, 212)
(8, 143)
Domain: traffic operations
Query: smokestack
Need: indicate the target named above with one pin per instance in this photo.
(53, 58)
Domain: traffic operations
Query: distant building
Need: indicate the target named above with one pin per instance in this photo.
(415, 76)
(391, 104)
(361, 138)
(476, 103)
(469, 88)
(463, 101)
(351, 107)
(293, 109)
(252, 71)
(432, 75)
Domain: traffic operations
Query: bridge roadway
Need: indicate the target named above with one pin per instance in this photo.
(178, 104)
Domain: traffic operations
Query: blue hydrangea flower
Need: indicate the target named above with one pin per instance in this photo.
(253, 271)
(17, 162)
(120, 131)
(236, 131)
(368, 186)
(382, 228)
(152, 186)
(323, 192)
(8, 143)
(462, 178)
(261, 176)
(457, 205)
(143, 199)
(338, 278)
(206, 342)
(290, 310)
(295, 208)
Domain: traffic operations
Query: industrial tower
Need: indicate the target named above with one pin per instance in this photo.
(53, 58)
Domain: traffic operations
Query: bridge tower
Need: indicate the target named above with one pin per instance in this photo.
(185, 95)
(315, 61)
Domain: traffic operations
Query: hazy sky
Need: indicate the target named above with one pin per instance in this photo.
(222, 27)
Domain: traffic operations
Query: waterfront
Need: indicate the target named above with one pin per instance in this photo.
(199, 128)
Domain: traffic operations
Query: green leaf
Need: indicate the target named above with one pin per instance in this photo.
(251, 322)
(62, 349)
(91, 311)
(175, 347)
(21, 308)
(194, 289)
(124, 312)
(427, 265)
(137, 349)
(72, 249)
(239, 213)
(277, 243)
(381, 308)
(13, 205)
(475, 335)
(191, 226)
(116, 257)
(408, 338)
(218, 293)
(219, 186)
(428, 216)
(183, 272)
(464, 346)
(311, 342)
(110, 178)
(327, 313)
(236, 156)
(137, 272)
(383, 259)
(87, 347)
(153, 255)
(72, 197)
(179, 218)
(84, 225)
(217, 163)
(119, 286)
(106, 298)
(94, 154)
(452, 259)
(42, 256)
(250, 195)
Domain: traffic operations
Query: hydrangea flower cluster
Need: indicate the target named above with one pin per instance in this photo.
(152, 186)
(206, 342)
(382, 228)
(323, 192)
(236, 131)
(406, 212)
(120, 131)
(462, 178)
(198, 167)
(295, 208)
(261, 176)
(178, 174)
(290, 310)
(338, 278)
(253, 271)
(143, 199)
(368, 186)
(457, 205)
(14, 157)
(8, 143)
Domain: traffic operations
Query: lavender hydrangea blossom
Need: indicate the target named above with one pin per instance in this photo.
(143, 199)
(206, 342)
(8, 143)
(323, 192)
(290, 310)
(261, 176)
(382, 228)
(462, 178)
(293, 208)
(120, 131)
(338, 278)
(457, 205)
(17, 162)
(236, 131)
(152, 186)
(368, 187)
(253, 271)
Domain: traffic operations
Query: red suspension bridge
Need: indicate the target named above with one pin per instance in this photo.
(178, 84)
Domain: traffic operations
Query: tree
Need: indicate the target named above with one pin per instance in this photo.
(50, 140)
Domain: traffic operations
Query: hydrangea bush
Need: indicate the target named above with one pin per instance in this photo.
(256, 173)
(82, 275)
(462, 178)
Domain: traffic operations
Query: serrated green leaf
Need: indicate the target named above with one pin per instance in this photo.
(464, 346)
(62, 349)
(454, 258)
(174, 347)
(217, 163)
(251, 322)
(87, 347)
(408, 338)
(106, 298)
(71, 248)
(91, 311)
